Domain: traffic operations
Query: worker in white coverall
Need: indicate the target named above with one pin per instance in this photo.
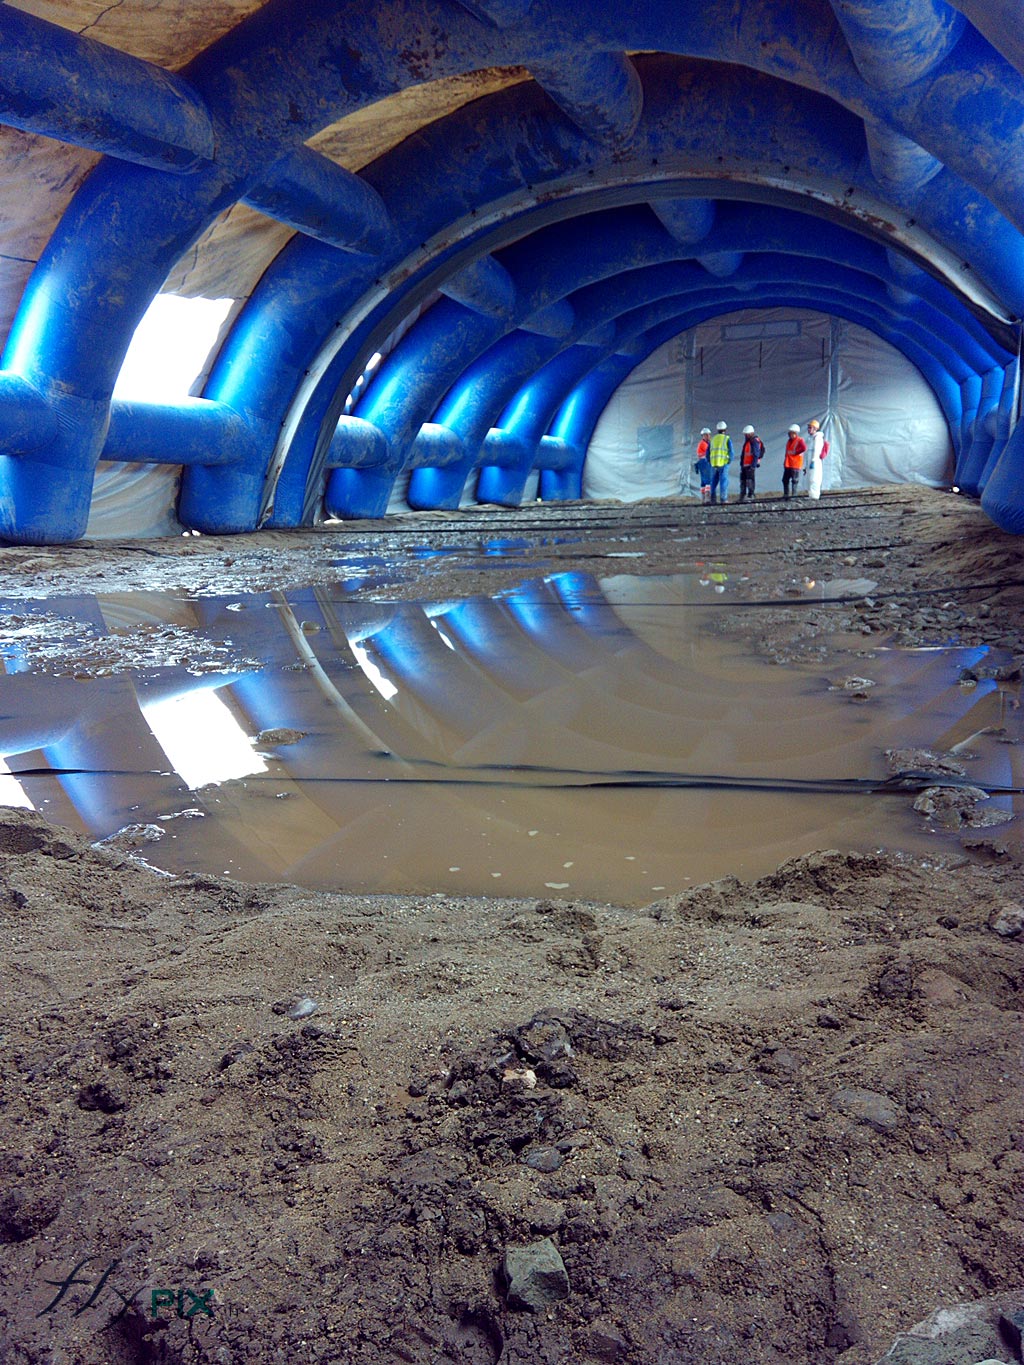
(817, 452)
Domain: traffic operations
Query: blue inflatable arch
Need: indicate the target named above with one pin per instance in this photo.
(628, 172)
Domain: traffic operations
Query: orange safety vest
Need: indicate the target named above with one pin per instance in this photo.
(753, 449)
(795, 448)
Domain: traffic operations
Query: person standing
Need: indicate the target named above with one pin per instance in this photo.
(721, 456)
(751, 454)
(818, 451)
(703, 463)
(793, 461)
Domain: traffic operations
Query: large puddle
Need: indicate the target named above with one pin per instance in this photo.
(573, 737)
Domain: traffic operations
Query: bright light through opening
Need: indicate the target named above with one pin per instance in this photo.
(202, 739)
(170, 348)
(12, 793)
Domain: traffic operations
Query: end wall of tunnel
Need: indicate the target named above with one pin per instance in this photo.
(563, 189)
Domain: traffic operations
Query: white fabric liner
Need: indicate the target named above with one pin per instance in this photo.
(881, 419)
(134, 500)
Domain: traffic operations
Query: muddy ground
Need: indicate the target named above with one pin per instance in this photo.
(769, 1122)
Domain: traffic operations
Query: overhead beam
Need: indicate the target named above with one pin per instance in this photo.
(61, 85)
(900, 166)
(897, 42)
(485, 286)
(500, 13)
(688, 221)
(600, 92)
(318, 197)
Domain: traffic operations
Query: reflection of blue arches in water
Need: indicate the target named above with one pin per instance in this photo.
(402, 706)
(914, 146)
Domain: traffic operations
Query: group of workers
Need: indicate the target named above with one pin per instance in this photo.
(715, 453)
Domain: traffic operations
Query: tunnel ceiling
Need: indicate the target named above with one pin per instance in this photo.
(532, 194)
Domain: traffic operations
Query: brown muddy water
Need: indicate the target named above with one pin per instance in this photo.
(573, 737)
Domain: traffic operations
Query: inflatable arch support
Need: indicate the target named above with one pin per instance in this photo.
(551, 230)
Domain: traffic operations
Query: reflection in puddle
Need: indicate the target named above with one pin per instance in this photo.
(572, 736)
(203, 741)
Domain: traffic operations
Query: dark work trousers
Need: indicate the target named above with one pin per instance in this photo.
(747, 472)
(790, 479)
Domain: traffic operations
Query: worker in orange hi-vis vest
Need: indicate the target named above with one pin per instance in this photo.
(793, 461)
(751, 454)
(702, 464)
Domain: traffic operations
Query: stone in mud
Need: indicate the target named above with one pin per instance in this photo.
(922, 761)
(535, 1275)
(986, 846)
(302, 1009)
(235, 1053)
(960, 1334)
(869, 1107)
(1011, 1327)
(1007, 921)
(953, 807)
(282, 734)
(26, 1211)
(546, 1159)
(853, 684)
(606, 1343)
(131, 836)
(104, 1095)
(543, 1039)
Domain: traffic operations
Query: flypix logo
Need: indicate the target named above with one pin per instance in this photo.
(179, 1302)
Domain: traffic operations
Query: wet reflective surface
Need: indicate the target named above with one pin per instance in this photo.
(574, 736)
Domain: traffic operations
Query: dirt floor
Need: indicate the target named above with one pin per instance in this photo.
(748, 1123)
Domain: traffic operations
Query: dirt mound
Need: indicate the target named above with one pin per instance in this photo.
(775, 1122)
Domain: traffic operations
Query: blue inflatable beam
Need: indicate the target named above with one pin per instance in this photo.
(468, 410)
(484, 286)
(1001, 497)
(194, 431)
(56, 83)
(898, 42)
(999, 21)
(323, 200)
(519, 447)
(599, 252)
(294, 479)
(526, 421)
(358, 444)
(29, 421)
(599, 91)
(129, 224)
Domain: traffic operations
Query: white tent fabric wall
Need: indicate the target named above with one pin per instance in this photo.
(134, 500)
(769, 367)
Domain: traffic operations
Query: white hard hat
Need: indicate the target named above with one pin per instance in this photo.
(794, 427)
(748, 431)
(705, 431)
(722, 426)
